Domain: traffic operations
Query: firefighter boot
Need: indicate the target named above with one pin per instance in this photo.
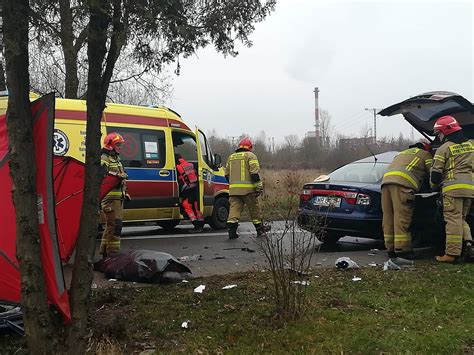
(450, 259)
(232, 229)
(198, 227)
(468, 250)
(262, 229)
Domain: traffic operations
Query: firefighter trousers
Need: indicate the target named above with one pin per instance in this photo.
(237, 203)
(113, 212)
(397, 208)
(455, 210)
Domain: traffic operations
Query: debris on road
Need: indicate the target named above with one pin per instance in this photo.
(372, 264)
(195, 257)
(185, 324)
(373, 252)
(355, 279)
(346, 263)
(219, 257)
(243, 249)
(228, 287)
(403, 262)
(112, 280)
(200, 289)
(390, 265)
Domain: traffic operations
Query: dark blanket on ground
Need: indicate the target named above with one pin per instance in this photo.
(143, 266)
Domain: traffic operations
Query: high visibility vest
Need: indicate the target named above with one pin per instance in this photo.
(186, 174)
(409, 168)
(239, 168)
(456, 163)
(114, 166)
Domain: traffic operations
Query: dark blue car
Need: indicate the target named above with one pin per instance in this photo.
(348, 203)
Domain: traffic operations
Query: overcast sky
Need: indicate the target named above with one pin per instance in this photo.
(360, 54)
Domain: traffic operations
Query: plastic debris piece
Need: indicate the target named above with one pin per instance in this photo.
(228, 287)
(185, 324)
(372, 264)
(403, 262)
(302, 283)
(112, 280)
(219, 257)
(355, 278)
(200, 288)
(190, 257)
(390, 265)
(346, 263)
(185, 281)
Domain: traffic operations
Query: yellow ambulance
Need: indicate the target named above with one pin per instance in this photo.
(153, 135)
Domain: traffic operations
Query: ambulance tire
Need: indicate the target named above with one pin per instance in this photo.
(168, 225)
(220, 212)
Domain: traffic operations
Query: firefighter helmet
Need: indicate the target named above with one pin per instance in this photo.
(446, 125)
(246, 143)
(113, 141)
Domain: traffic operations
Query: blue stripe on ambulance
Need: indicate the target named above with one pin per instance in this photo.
(140, 174)
(219, 179)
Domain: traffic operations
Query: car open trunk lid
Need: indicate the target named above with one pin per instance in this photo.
(421, 111)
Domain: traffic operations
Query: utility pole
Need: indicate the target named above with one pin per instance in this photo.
(374, 111)
(316, 116)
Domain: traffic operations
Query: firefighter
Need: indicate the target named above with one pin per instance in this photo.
(452, 173)
(402, 180)
(188, 186)
(243, 173)
(112, 204)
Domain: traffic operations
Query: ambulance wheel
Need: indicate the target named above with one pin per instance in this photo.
(220, 212)
(168, 225)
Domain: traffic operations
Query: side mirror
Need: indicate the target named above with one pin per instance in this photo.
(217, 160)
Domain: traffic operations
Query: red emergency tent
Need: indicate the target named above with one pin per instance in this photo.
(59, 183)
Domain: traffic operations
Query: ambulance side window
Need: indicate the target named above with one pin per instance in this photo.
(206, 150)
(143, 148)
(185, 145)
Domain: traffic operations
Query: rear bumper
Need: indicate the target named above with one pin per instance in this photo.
(361, 225)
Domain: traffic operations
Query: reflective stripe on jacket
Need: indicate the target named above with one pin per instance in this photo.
(456, 163)
(239, 167)
(114, 166)
(409, 168)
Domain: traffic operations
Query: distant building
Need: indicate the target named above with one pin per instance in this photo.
(354, 143)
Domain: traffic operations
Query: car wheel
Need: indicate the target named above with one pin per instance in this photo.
(168, 225)
(220, 212)
(331, 239)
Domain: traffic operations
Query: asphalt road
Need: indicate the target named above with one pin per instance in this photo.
(212, 253)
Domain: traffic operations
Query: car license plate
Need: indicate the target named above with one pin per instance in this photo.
(327, 201)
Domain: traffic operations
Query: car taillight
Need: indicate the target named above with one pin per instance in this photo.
(363, 199)
(305, 195)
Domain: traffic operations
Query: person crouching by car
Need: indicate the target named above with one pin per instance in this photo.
(403, 179)
(452, 170)
(188, 187)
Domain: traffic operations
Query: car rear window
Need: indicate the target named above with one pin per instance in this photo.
(369, 173)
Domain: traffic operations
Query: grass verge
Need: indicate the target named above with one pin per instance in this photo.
(429, 310)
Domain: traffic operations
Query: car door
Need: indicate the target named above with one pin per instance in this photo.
(206, 171)
(421, 111)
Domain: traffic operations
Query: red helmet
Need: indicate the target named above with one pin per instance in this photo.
(113, 141)
(446, 125)
(246, 143)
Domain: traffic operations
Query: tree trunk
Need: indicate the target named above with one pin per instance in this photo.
(71, 83)
(23, 170)
(85, 248)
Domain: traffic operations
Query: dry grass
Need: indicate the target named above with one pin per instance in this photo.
(282, 190)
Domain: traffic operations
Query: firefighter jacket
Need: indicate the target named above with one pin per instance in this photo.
(187, 177)
(455, 161)
(112, 164)
(409, 168)
(239, 169)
